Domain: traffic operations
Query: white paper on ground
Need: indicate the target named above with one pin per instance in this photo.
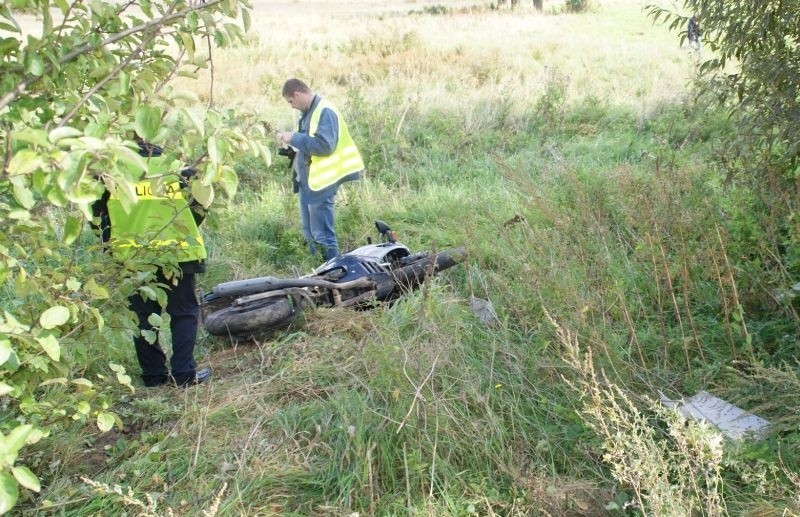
(732, 421)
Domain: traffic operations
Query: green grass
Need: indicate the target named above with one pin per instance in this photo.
(589, 193)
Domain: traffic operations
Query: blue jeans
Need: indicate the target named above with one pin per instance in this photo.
(316, 219)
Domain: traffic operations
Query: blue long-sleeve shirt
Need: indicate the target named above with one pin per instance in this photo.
(322, 143)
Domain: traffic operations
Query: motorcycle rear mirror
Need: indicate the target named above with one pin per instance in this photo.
(384, 230)
(382, 227)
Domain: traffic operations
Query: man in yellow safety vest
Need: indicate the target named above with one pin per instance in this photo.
(161, 222)
(325, 156)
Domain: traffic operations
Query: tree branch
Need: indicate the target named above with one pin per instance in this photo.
(26, 82)
(145, 40)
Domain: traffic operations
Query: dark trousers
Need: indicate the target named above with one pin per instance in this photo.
(183, 309)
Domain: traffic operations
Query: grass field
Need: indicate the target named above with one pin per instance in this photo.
(569, 154)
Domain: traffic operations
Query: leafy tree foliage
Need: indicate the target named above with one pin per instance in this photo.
(759, 39)
(72, 95)
(754, 67)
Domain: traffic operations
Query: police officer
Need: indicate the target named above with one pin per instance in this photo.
(162, 221)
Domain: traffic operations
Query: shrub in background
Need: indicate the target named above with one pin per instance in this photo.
(576, 6)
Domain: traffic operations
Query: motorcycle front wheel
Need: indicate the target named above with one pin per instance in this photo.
(414, 269)
(251, 319)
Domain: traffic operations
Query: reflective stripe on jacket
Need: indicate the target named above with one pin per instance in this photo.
(345, 160)
(160, 218)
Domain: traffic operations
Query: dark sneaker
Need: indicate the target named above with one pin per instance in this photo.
(200, 377)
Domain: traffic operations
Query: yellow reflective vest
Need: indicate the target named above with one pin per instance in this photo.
(161, 220)
(345, 160)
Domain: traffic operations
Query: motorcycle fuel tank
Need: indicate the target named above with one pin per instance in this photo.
(364, 261)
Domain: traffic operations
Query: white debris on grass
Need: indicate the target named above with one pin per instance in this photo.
(733, 422)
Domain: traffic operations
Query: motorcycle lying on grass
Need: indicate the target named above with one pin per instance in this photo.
(369, 274)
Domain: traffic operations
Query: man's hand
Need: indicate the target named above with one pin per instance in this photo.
(284, 137)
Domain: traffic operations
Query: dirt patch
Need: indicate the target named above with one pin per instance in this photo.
(100, 446)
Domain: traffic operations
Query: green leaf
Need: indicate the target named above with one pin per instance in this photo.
(266, 155)
(203, 194)
(26, 478)
(12, 325)
(149, 336)
(31, 136)
(5, 389)
(35, 65)
(6, 13)
(188, 74)
(229, 181)
(196, 118)
(216, 149)
(72, 229)
(56, 196)
(234, 31)
(35, 435)
(73, 284)
(148, 293)
(221, 38)
(188, 44)
(230, 8)
(98, 318)
(148, 120)
(9, 46)
(105, 421)
(51, 346)
(19, 215)
(131, 158)
(83, 407)
(161, 297)
(9, 492)
(58, 380)
(185, 95)
(24, 162)
(54, 316)
(123, 82)
(98, 292)
(122, 377)
(5, 350)
(246, 19)
(61, 133)
(82, 382)
(23, 195)
(154, 320)
(15, 440)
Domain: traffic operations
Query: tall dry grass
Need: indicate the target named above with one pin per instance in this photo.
(452, 61)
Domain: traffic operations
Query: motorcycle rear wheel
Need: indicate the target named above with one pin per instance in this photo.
(251, 319)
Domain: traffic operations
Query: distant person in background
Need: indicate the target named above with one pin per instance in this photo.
(167, 221)
(325, 156)
(693, 34)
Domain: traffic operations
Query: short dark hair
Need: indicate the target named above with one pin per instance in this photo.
(293, 86)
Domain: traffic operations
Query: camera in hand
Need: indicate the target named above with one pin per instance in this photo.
(287, 152)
